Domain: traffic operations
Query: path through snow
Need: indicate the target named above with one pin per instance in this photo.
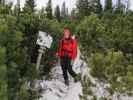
(55, 88)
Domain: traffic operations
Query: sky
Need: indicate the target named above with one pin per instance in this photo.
(42, 3)
(69, 3)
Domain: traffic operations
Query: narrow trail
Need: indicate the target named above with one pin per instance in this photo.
(55, 89)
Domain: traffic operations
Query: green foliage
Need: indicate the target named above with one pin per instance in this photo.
(10, 40)
(90, 32)
(49, 10)
(29, 6)
(88, 7)
(29, 25)
(57, 13)
(83, 8)
(97, 36)
(64, 11)
(108, 5)
(23, 93)
(5, 9)
(3, 75)
(98, 7)
(120, 7)
(97, 31)
(119, 32)
(86, 88)
(114, 68)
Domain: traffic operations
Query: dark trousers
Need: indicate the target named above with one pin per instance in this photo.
(67, 67)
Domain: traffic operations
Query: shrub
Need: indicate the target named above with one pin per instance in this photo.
(113, 68)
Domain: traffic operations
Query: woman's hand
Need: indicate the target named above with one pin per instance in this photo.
(57, 54)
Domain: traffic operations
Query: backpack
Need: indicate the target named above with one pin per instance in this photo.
(66, 52)
(62, 41)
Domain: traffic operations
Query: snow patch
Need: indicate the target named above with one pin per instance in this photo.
(55, 89)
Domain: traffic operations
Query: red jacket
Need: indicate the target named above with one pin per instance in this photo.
(69, 46)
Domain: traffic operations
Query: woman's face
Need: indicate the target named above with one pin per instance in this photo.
(66, 33)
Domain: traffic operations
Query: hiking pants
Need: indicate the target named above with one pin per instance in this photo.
(67, 67)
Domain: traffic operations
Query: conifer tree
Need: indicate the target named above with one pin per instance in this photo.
(18, 7)
(108, 5)
(49, 10)
(57, 13)
(64, 10)
(2, 2)
(99, 8)
(120, 7)
(127, 5)
(95, 6)
(83, 8)
(29, 6)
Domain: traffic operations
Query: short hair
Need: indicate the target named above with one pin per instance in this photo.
(66, 28)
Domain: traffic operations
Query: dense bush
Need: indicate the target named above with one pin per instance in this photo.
(10, 38)
(113, 68)
(98, 36)
(3, 78)
(90, 32)
(119, 32)
(98, 32)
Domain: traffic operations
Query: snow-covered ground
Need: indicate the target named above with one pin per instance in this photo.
(55, 89)
(58, 91)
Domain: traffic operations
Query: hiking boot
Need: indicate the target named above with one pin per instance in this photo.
(66, 82)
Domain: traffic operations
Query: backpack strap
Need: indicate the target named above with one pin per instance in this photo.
(62, 42)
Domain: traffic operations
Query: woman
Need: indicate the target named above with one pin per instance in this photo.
(67, 53)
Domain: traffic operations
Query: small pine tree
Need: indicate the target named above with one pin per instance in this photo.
(2, 2)
(127, 5)
(17, 10)
(108, 5)
(95, 6)
(29, 6)
(18, 7)
(57, 13)
(73, 13)
(120, 8)
(49, 10)
(83, 8)
(3, 74)
(99, 8)
(64, 10)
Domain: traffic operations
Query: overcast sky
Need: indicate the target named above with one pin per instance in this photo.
(69, 3)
